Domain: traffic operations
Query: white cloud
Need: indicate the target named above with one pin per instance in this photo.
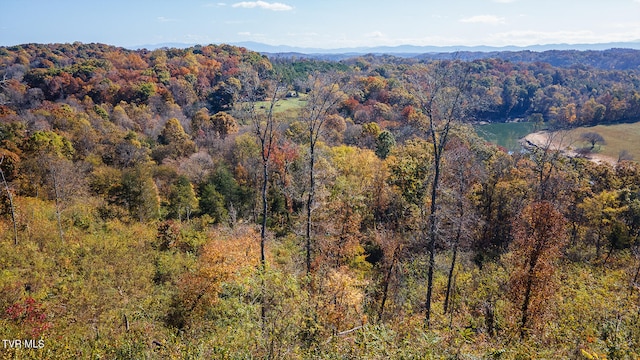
(251, 35)
(263, 5)
(164, 19)
(375, 35)
(530, 37)
(484, 19)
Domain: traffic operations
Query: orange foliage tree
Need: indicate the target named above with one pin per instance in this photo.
(220, 259)
(539, 234)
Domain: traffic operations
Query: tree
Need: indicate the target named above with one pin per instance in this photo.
(174, 142)
(264, 125)
(52, 168)
(138, 193)
(10, 197)
(593, 138)
(547, 162)
(463, 172)
(323, 100)
(182, 199)
(212, 203)
(601, 210)
(439, 91)
(539, 235)
(224, 124)
(384, 144)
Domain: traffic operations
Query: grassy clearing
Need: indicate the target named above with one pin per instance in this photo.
(286, 104)
(617, 138)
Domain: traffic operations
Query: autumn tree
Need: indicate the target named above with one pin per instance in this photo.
(224, 124)
(174, 142)
(257, 86)
(499, 198)
(539, 235)
(52, 169)
(601, 210)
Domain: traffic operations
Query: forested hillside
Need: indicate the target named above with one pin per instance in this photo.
(211, 203)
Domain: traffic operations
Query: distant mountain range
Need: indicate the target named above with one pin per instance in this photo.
(404, 50)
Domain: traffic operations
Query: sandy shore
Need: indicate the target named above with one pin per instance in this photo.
(563, 142)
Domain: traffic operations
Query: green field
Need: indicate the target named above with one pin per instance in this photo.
(505, 134)
(286, 104)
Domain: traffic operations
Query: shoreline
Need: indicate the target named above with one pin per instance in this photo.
(558, 141)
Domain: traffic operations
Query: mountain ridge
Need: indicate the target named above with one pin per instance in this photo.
(406, 49)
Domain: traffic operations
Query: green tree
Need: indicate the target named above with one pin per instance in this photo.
(384, 144)
(182, 199)
(213, 203)
(138, 193)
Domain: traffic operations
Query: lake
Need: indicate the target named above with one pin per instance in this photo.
(505, 134)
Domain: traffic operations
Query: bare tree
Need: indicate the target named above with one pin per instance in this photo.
(258, 87)
(624, 155)
(323, 99)
(439, 90)
(593, 138)
(11, 206)
(546, 157)
(464, 171)
(65, 182)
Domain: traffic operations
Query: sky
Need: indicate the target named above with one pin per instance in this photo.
(328, 24)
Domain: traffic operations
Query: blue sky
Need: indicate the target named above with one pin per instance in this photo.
(321, 24)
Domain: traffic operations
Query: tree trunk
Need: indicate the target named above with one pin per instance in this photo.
(456, 243)
(263, 238)
(450, 277)
(263, 227)
(527, 300)
(310, 198)
(13, 211)
(57, 195)
(432, 234)
(385, 289)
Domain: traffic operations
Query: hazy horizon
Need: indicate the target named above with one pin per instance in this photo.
(324, 25)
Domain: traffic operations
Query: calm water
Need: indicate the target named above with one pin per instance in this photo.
(505, 134)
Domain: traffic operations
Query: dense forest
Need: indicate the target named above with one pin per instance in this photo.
(212, 202)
